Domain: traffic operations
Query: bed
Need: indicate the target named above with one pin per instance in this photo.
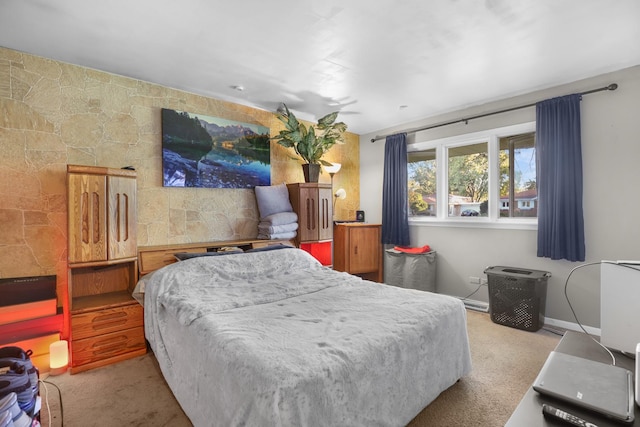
(273, 338)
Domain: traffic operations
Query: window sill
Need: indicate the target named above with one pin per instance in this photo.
(504, 224)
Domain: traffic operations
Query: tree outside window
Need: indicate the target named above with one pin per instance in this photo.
(468, 179)
(422, 187)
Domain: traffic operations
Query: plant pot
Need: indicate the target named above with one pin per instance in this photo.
(311, 172)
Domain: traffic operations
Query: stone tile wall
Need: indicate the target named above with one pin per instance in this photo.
(53, 114)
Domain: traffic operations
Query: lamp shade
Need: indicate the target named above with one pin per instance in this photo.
(58, 357)
(334, 168)
(341, 194)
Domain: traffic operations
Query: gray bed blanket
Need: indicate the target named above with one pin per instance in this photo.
(275, 339)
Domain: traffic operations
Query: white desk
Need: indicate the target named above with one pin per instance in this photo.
(529, 410)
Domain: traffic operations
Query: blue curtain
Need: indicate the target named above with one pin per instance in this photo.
(559, 180)
(395, 211)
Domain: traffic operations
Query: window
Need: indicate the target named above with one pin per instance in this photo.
(468, 167)
(422, 183)
(487, 176)
(518, 188)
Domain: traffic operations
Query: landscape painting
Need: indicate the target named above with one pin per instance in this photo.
(211, 152)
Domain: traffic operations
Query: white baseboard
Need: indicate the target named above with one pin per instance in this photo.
(476, 305)
(571, 326)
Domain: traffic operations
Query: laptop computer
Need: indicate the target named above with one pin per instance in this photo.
(597, 386)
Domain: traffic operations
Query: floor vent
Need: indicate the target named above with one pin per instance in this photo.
(476, 305)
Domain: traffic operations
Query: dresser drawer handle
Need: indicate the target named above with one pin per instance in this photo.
(109, 320)
(110, 316)
(109, 345)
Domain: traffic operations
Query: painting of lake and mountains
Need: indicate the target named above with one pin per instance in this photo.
(211, 152)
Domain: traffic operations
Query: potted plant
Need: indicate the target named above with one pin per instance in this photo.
(310, 143)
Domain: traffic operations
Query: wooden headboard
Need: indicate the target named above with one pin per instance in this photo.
(151, 258)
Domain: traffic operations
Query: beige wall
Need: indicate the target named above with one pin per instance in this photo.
(611, 153)
(53, 114)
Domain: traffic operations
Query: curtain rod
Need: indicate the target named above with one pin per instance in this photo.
(612, 86)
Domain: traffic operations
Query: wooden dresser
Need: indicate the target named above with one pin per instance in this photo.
(106, 322)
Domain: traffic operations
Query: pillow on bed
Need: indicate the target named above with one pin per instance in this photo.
(269, 248)
(273, 199)
(181, 256)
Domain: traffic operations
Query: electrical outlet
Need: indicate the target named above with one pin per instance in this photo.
(484, 282)
(474, 280)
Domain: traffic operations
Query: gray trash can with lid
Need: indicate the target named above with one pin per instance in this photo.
(517, 296)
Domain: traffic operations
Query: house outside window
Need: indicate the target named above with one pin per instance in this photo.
(485, 177)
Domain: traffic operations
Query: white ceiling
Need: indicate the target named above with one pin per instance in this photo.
(381, 63)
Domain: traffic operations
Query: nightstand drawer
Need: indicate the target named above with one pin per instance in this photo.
(100, 322)
(108, 345)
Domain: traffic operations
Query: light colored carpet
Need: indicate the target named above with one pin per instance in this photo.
(505, 361)
(133, 393)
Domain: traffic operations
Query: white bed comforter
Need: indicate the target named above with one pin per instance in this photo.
(275, 339)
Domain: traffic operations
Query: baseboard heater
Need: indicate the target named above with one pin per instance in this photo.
(476, 305)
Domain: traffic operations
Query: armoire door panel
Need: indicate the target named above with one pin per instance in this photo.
(325, 229)
(87, 226)
(122, 217)
(308, 215)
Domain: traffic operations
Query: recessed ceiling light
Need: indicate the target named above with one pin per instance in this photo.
(239, 88)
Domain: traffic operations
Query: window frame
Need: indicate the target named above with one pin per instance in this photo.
(493, 219)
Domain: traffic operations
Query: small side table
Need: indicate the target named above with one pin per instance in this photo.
(357, 249)
(529, 410)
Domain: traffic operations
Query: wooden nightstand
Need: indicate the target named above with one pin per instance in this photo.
(357, 249)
